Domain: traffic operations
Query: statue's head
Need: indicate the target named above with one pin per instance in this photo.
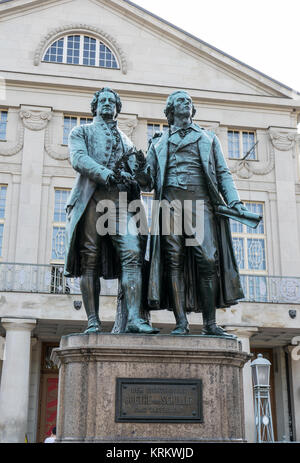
(106, 103)
(179, 102)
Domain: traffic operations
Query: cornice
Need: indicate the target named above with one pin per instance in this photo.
(57, 32)
(144, 90)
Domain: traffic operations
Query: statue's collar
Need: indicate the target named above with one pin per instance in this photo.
(111, 123)
(174, 128)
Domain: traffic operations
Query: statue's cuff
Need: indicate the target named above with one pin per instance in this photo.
(233, 203)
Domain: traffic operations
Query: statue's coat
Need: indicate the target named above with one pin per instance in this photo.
(222, 191)
(90, 148)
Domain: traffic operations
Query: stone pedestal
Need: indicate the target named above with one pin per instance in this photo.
(91, 364)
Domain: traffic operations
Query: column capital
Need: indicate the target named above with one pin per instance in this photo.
(18, 324)
(241, 331)
(35, 118)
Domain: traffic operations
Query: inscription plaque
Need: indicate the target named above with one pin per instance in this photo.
(159, 400)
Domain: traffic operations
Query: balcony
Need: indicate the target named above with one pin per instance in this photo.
(44, 279)
(49, 279)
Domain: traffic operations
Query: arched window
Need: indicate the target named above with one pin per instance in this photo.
(82, 50)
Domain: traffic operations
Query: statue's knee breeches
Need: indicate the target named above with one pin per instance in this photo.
(129, 250)
(173, 248)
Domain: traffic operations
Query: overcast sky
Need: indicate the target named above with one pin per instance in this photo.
(264, 34)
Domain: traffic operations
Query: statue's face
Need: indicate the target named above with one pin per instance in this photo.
(183, 105)
(106, 107)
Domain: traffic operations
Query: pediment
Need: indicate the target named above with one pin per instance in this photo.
(155, 52)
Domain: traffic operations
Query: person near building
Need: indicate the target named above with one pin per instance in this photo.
(51, 439)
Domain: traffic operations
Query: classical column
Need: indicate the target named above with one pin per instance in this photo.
(244, 334)
(14, 387)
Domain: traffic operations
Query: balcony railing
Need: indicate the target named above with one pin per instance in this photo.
(50, 279)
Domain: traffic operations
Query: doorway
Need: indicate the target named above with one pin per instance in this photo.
(48, 393)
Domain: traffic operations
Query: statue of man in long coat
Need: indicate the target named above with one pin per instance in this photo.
(95, 149)
(186, 163)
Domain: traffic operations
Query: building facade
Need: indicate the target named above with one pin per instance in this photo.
(59, 54)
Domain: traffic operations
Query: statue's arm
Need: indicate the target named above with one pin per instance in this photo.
(82, 162)
(224, 177)
(145, 172)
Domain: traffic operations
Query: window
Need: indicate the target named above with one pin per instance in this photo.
(152, 128)
(82, 50)
(250, 251)
(3, 189)
(59, 224)
(240, 142)
(3, 124)
(72, 121)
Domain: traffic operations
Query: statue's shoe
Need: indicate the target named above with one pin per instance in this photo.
(181, 330)
(215, 330)
(94, 328)
(140, 326)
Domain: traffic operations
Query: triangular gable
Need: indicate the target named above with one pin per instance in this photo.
(208, 68)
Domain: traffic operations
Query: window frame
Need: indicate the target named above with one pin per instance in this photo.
(240, 132)
(161, 125)
(245, 236)
(4, 111)
(81, 51)
(78, 117)
(54, 224)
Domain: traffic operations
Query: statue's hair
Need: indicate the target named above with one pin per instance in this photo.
(94, 102)
(169, 109)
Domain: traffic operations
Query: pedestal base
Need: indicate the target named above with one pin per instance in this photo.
(88, 394)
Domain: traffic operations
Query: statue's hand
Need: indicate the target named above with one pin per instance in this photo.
(112, 180)
(140, 158)
(127, 178)
(240, 208)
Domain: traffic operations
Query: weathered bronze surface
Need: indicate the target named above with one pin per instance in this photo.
(106, 163)
(185, 164)
(158, 400)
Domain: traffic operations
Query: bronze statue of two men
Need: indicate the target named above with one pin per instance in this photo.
(190, 268)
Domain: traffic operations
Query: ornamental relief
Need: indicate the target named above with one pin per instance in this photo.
(34, 120)
(57, 152)
(10, 149)
(245, 169)
(127, 125)
(282, 140)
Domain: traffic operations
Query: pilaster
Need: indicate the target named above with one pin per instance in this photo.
(244, 334)
(35, 120)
